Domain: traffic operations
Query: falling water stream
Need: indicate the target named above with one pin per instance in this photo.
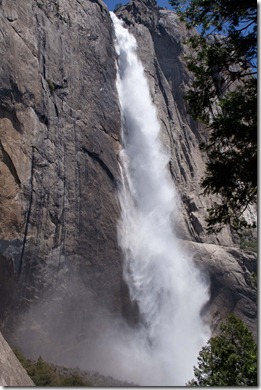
(161, 277)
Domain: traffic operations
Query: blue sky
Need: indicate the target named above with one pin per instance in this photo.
(111, 3)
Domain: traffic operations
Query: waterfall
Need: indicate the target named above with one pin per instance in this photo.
(161, 276)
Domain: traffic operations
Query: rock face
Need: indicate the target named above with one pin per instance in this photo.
(59, 132)
(11, 371)
(232, 285)
(160, 36)
(59, 138)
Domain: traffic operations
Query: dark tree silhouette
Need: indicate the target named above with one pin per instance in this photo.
(223, 95)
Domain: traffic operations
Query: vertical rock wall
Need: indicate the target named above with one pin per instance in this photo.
(59, 137)
(11, 371)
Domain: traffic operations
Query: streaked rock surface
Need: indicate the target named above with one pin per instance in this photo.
(11, 371)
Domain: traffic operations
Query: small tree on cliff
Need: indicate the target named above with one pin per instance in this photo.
(229, 359)
(223, 96)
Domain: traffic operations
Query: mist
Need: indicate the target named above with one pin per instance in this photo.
(70, 326)
(162, 278)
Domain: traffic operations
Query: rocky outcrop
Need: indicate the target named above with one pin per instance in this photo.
(60, 264)
(11, 371)
(233, 287)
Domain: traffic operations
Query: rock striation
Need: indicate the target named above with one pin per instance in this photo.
(233, 288)
(59, 131)
(59, 139)
(11, 371)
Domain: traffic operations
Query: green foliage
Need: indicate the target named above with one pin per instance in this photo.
(51, 86)
(232, 149)
(42, 373)
(249, 244)
(229, 359)
(25, 363)
(45, 374)
(223, 96)
(72, 380)
(254, 279)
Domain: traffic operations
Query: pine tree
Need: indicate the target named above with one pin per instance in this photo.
(223, 95)
(229, 359)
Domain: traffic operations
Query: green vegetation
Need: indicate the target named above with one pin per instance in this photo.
(223, 95)
(254, 279)
(45, 374)
(229, 359)
(51, 86)
(249, 245)
(72, 380)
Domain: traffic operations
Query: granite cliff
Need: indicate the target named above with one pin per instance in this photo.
(11, 371)
(60, 122)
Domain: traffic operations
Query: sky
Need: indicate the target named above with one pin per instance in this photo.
(111, 3)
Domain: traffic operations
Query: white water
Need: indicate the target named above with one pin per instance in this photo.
(161, 277)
